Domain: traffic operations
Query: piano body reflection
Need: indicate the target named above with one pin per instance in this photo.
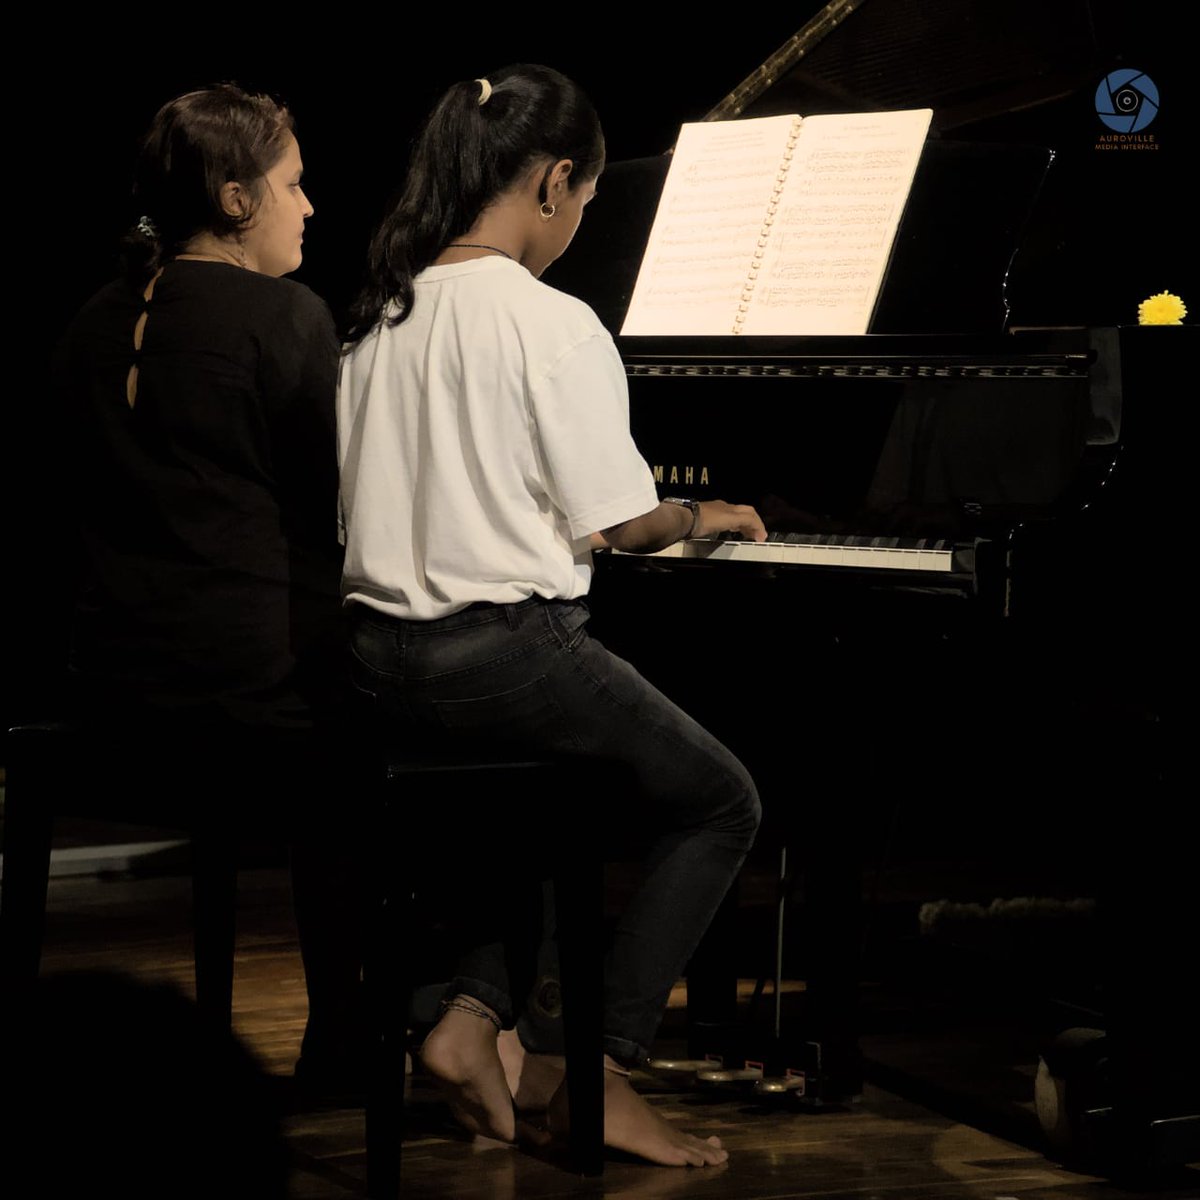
(945, 623)
(895, 462)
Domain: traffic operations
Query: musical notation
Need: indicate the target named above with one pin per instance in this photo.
(777, 225)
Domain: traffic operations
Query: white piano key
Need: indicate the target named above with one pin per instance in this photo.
(831, 554)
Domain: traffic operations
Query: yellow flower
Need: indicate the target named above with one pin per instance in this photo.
(1163, 309)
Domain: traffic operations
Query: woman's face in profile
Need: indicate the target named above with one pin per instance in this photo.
(273, 243)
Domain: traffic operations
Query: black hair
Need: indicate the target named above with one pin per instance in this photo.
(196, 144)
(467, 154)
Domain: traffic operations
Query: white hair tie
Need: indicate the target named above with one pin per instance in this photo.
(485, 91)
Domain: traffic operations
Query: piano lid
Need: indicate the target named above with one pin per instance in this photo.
(968, 62)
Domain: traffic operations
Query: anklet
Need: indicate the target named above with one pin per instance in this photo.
(476, 1010)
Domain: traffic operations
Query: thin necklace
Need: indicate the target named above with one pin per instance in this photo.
(217, 258)
(478, 246)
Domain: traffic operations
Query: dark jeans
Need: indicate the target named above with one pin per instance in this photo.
(529, 677)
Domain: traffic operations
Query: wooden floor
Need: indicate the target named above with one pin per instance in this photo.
(884, 1148)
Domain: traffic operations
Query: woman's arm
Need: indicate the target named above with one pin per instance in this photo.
(299, 380)
(668, 523)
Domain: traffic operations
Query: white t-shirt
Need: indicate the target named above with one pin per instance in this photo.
(481, 441)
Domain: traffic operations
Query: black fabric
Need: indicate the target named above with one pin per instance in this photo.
(207, 509)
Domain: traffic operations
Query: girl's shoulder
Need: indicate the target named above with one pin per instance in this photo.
(542, 304)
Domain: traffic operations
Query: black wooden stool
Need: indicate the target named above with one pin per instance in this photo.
(247, 786)
(416, 785)
(218, 790)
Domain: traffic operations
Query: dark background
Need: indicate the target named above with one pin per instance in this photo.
(1112, 229)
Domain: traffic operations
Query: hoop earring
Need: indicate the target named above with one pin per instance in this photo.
(547, 211)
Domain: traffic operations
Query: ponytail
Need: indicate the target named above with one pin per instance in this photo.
(482, 137)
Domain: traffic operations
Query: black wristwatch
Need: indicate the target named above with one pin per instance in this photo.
(694, 505)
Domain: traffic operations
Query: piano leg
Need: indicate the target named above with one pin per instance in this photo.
(1150, 919)
(712, 999)
(832, 939)
(817, 937)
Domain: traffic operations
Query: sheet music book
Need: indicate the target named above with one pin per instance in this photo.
(777, 225)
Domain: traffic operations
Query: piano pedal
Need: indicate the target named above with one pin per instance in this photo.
(737, 1078)
(684, 1067)
(791, 1085)
(807, 1090)
(799, 1074)
(789, 1073)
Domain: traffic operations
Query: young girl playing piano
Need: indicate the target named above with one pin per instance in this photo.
(485, 449)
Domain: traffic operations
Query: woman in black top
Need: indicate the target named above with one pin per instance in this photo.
(198, 395)
(200, 392)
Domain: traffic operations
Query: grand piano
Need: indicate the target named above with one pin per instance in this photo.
(952, 628)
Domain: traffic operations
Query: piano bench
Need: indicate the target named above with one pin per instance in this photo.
(447, 786)
(222, 794)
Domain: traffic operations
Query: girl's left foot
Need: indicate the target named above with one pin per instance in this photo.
(462, 1056)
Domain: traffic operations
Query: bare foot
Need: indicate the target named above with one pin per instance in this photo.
(532, 1078)
(633, 1125)
(512, 1058)
(460, 1053)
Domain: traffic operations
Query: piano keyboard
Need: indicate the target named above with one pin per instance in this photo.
(825, 550)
